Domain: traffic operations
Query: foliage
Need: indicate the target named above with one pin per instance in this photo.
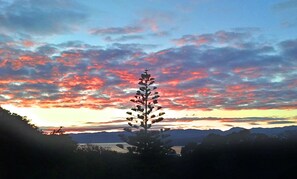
(149, 145)
(59, 131)
(241, 155)
(146, 103)
(144, 142)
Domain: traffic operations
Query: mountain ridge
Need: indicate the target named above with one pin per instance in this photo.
(178, 137)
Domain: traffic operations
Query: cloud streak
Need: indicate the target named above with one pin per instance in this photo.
(175, 123)
(117, 30)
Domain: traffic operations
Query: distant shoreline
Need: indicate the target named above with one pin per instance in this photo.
(113, 147)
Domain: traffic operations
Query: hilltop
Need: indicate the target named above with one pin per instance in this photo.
(179, 137)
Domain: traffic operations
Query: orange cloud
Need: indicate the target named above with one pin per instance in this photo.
(125, 75)
(204, 91)
(171, 70)
(3, 63)
(202, 40)
(152, 59)
(29, 60)
(24, 80)
(197, 75)
(240, 88)
(69, 58)
(170, 92)
(187, 101)
(173, 82)
(84, 82)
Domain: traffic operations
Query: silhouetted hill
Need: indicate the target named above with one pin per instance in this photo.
(178, 137)
(233, 129)
(25, 150)
(273, 131)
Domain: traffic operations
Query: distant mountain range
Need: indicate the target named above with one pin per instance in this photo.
(178, 137)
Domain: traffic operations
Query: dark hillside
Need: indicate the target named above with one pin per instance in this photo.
(25, 150)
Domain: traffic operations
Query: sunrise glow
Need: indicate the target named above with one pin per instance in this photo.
(217, 64)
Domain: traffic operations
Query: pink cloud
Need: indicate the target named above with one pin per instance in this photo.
(85, 82)
(219, 37)
(152, 23)
(28, 43)
(248, 72)
(69, 58)
(188, 77)
(240, 88)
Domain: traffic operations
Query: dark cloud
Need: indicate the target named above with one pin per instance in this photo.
(47, 50)
(289, 48)
(282, 122)
(45, 17)
(227, 120)
(107, 122)
(78, 129)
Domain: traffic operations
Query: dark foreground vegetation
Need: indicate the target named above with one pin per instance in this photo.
(26, 152)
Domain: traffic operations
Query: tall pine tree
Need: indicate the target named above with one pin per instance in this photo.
(146, 143)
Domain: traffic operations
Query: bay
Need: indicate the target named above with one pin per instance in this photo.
(114, 147)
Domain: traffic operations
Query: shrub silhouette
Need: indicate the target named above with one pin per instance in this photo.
(241, 155)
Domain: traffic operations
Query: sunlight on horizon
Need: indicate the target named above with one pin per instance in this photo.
(83, 117)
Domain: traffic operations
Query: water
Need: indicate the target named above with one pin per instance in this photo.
(114, 147)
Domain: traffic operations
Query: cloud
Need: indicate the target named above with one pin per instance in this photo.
(74, 74)
(173, 123)
(150, 24)
(282, 122)
(123, 38)
(287, 10)
(155, 20)
(40, 17)
(79, 129)
(5, 38)
(117, 30)
(288, 4)
(289, 48)
(232, 121)
(160, 34)
(135, 47)
(229, 120)
(219, 38)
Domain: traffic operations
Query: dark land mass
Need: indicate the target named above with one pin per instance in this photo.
(178, 137)
(26, 152)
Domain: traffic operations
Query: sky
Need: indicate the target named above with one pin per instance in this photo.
(218, 63)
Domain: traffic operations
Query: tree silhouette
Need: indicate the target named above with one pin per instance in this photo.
(142, 116)
(146, 103)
